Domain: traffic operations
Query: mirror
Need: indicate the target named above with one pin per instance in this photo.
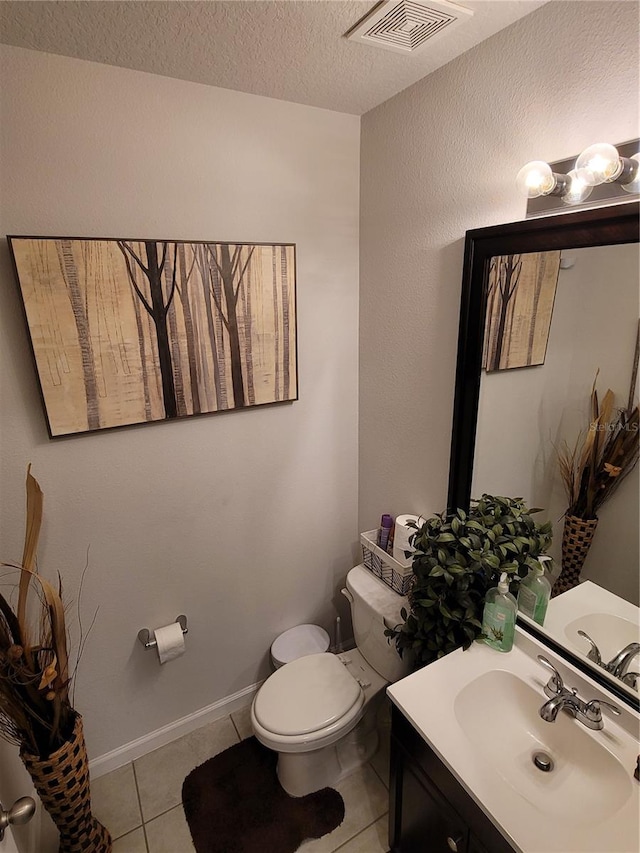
(523, 388)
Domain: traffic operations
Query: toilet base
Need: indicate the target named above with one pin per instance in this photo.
(301, 773)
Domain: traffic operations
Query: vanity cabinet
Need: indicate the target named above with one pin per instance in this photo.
(429, 811)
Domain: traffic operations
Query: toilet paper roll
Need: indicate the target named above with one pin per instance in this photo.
(401, 536)
(170, 640)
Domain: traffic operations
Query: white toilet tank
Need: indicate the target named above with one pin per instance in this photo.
(374, 607)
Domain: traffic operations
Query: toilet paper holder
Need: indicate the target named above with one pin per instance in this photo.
(144, 635)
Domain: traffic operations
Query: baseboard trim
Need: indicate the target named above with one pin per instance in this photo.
(172, 731)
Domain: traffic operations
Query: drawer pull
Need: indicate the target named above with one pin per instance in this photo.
(453, 843)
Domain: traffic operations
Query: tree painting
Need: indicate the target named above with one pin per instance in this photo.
(520, 295)
(130, 331)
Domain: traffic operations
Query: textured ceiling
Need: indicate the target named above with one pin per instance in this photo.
(294, 50)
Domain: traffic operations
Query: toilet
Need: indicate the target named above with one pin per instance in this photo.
(318, 712)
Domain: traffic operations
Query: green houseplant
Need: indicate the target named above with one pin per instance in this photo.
(457, 559)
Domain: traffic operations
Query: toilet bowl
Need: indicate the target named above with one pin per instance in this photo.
(318, 712)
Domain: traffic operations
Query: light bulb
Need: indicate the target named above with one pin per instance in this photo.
(633, 186)
(578, 191)
(535, 179)
(599, 164)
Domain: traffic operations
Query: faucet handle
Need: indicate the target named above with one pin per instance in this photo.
(592, 714)
(596, 704)
(555, 685)
(594, 653)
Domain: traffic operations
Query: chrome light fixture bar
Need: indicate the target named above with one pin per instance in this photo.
(602, 173)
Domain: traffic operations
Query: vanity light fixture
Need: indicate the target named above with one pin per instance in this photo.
(601, 163)
(578, 190)
(537, 178)
(633, 186)
(598, 164)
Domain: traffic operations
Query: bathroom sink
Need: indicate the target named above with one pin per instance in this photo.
(609, 620)
(498, 712)
(478, 710)
(609, 632)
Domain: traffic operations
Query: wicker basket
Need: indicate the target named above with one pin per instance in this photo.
(577, 536)
(62, 783)
(383, 566)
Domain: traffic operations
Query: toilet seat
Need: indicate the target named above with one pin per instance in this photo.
(307, 695)
(298, 679)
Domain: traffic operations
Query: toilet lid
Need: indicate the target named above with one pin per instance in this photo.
(306, 695)
(298, 642)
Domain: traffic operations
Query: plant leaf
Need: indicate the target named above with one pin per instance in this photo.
(31, 536)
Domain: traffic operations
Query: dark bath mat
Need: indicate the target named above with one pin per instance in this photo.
(234, 804)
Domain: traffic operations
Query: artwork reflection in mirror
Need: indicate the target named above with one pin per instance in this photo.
(525, 415)
(520, 295)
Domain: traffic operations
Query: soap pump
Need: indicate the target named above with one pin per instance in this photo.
(535, 591)
(499, 616)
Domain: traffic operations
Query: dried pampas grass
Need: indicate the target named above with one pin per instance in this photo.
(600, 460)
(35, 709)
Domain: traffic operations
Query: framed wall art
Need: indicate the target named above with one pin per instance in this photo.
(133, 331)
(520, 295)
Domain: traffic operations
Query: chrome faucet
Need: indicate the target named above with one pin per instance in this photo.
(620, 663)
(563, 702)
(561, 699)
(618, 666)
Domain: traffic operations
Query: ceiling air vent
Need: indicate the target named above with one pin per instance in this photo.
(407, 25)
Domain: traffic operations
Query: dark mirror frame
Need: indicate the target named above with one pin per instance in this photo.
(605, 226)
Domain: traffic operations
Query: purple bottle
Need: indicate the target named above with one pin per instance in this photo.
(386, 525)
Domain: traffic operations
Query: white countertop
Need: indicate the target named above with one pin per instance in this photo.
(533, 816)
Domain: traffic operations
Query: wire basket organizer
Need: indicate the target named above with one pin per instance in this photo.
(383, 566)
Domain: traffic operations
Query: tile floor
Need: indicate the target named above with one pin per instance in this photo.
(140, 803)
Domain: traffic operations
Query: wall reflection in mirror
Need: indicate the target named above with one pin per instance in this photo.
(556, 321)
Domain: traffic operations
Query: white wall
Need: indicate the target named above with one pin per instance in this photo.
(441, 158)
(614, 301)
(523, 414)
(244, 521)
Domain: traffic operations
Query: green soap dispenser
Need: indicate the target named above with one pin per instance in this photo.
(535, 592)
(499, 616)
